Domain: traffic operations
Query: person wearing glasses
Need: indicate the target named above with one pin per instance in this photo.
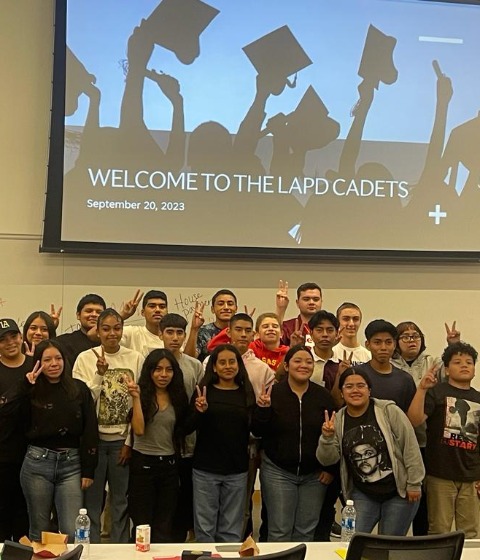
(380, 462)
(411, 352)
(411, 356)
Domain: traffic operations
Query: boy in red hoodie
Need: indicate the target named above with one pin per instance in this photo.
(267, 345)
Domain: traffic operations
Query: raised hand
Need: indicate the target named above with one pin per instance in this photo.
(338, 337)
(430, 379)
(264, 399)
(345, 363)
(282, 300)
(169, 85)
(55, 315)
(29, 351)
(129, 307)
(453, 335)
(36, 371)
(132, 387)
(201, 401)
(328, 427)
(297, 336)
(92, 334)
(250, 313)
(197, 318)
(102, 364)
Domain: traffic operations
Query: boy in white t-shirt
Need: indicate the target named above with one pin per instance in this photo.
(145, 338)
(349, 316)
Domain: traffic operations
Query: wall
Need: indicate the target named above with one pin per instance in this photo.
(429, 294)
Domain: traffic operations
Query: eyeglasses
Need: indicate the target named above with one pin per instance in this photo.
(350, 386)
(367, 454)
(408, 337)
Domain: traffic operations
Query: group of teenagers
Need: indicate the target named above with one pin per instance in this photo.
(175, 421)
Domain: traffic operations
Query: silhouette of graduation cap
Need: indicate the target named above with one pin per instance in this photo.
(377, 59)
(277, 54)
(178, 24)
(309, 125)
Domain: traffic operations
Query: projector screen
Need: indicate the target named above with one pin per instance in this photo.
(270, 128)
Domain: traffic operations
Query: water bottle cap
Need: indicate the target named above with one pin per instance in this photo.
(83, 511)
(349, 502)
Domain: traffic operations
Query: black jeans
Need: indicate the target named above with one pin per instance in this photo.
(13, 509)
(153, 492)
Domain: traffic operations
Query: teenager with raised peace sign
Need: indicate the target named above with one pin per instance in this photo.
(289, 418)
(105, 369)
(63, 436)
(221, 411)
(380, 462)
(160, 404)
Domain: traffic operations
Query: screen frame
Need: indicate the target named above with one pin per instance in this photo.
(52, 227)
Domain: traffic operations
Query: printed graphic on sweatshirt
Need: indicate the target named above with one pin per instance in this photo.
(366, 451)
(114, 399)
(462, 419)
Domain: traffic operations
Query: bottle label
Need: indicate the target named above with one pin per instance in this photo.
(348, 523)
(82, 534)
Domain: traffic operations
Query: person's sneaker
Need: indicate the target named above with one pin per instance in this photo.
(336, 530)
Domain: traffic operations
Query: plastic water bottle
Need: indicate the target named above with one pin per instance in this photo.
(349, 516)
(82, 532)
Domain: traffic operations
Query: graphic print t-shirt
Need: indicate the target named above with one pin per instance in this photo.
(114, 400)
(366, 453)
(453, 428)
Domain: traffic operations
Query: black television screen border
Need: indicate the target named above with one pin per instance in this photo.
(52, 226)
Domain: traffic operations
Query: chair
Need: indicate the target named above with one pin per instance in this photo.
(365, 546)
(73, 554)
(296, 553)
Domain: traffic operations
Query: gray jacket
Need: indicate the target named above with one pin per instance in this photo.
(401, 442)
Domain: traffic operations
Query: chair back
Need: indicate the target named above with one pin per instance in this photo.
(365, 546)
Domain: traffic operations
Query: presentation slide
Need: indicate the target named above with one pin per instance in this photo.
(275, 124)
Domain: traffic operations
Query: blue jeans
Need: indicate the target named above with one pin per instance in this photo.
(108, 469)
(218, 504)
(48, 478)
(293, 502)
(394, 516)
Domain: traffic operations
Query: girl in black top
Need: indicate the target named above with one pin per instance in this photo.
(223, 405)
(63, 436)
(289, 418)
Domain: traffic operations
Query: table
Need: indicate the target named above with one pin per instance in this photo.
(315, 551)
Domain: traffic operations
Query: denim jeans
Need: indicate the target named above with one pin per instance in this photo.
(218, 505)
(293, 502)
(108, 469)
(48, 478)
(153, 492)
(394, 516)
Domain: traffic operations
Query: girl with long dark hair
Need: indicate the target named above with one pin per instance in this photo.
(160, 405)
(221, 415)
(38, 326)
(63, 437)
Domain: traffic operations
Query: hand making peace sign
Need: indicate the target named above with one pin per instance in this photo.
(201, 401)
(36, 371)
(452, 334)
(102, 364)
(328, 428)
